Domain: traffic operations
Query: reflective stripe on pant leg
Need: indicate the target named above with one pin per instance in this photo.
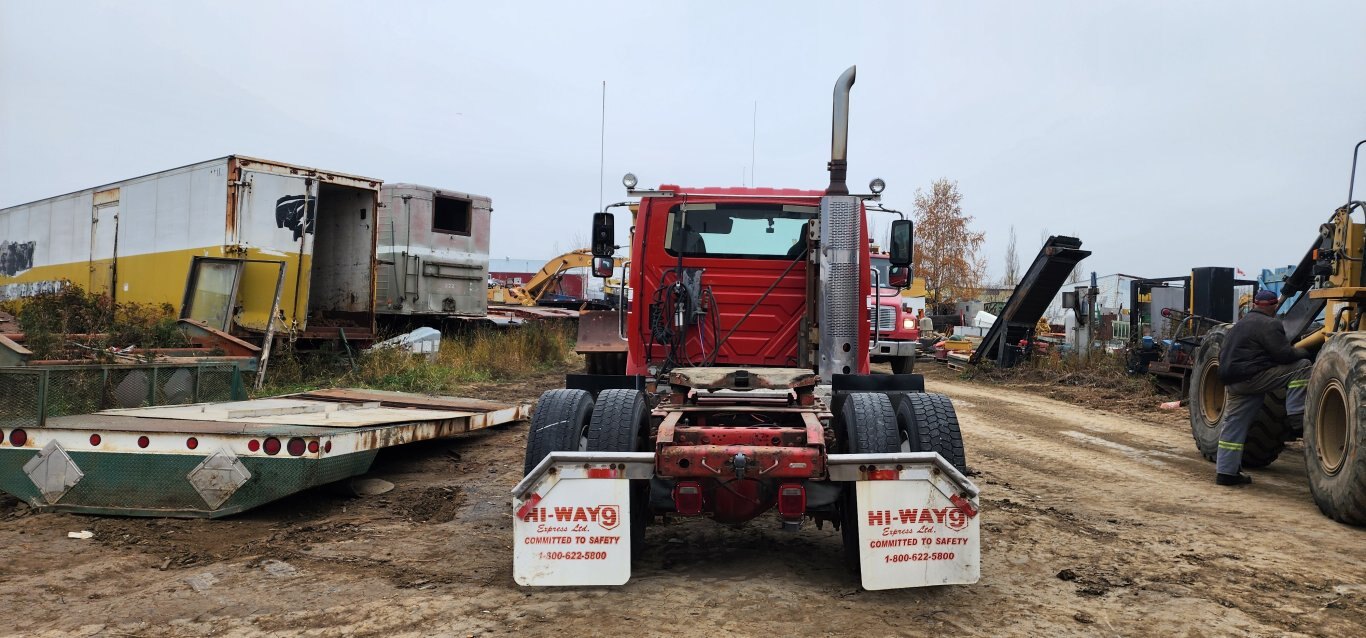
(1294, 389)
(1237, 420)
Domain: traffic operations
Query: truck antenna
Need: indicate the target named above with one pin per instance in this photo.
(753, 141)
(602, 144)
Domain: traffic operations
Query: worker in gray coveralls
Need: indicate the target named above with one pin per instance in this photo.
(1257, 358)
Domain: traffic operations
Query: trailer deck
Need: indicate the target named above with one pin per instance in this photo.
(215, 459)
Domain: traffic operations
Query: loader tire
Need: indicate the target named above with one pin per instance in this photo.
(935, 427)
(1207, 393)
(1265, 437)
(868, 425)
(1335, 429)
(559, 424)
(618, 424)
(903, 365)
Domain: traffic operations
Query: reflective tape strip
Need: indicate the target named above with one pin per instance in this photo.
(1228, 445)
(1298, 383)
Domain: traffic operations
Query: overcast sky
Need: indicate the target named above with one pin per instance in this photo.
(1165, 135)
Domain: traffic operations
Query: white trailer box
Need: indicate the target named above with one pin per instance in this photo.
(433, 252)
(210, 239)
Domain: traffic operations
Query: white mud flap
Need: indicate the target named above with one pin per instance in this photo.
(917, 519)
(572, 519)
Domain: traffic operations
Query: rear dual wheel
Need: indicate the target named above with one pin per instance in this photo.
(872, 423)
(571, 421)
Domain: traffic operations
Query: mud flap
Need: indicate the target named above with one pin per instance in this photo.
(918, 519)
(571, 519)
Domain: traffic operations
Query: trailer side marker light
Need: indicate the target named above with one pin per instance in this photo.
(313, 447)
(792, 501)
(963, 505)
(192, 443)
(602, 472)
(95, 440)
(882, 475)
(327, 447)
(143, 441)
(296, 446)
(271, 446)
(253, 445)
(526, 507)
(688, 498)
(18, 438)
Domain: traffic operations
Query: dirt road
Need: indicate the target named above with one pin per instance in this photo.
(1094, 524)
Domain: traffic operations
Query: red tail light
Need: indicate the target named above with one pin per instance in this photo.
(296, 446)
(18, 438)
(792, 501)
(272, 446)
(313, 447)
(95, 440)
(688, 498)
(253, 445)
(143, 441)
(192, 443)
(327, 447)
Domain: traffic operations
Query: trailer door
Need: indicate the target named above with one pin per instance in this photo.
(276, 221)
(104, 241)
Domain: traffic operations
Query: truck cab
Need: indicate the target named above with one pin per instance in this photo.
(720, 279)
(895, 331)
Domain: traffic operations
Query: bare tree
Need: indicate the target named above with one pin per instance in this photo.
(1012, 275)
(946, 254)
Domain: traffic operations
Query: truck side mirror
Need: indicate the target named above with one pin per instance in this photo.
(897, 276)
(604, 237)
(602, 267)
(903, 234)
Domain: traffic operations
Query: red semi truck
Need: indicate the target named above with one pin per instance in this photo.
(896, 331)
(746, 394)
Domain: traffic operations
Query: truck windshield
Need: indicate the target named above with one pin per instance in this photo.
(751, 231)
(883, 267)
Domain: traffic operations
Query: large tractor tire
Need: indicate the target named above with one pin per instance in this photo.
(559, 424)
(928, 423)
(1335, 429)
(618, 424)
(867, 424)
(1266, 436)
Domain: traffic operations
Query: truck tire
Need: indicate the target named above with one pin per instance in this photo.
(868, 425)
(559, 424)
(1335, 429)
(933, 427)
(1266, 435)
(903, 365)
(618, 425)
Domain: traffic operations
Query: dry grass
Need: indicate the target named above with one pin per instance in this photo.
(1101, 381)
(478, 356)
(74, 324)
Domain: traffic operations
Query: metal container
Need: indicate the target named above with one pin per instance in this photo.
(221, 240)
(433, 252)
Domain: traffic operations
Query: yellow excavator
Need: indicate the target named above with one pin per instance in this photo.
(1328, 288)
(545, 280)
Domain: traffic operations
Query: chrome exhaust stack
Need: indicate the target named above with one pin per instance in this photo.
(841, 300)
(839, 133)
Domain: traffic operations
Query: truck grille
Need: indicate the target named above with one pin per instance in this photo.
(885, 319)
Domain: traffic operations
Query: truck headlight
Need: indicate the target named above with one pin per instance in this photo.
(908, 324)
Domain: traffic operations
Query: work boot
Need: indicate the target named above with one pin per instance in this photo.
(1232, 479)
(1294, 426)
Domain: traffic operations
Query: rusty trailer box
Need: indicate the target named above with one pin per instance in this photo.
(433, 252)
(219, 240)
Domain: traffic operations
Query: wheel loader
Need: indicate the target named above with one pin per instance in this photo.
(1324, 303)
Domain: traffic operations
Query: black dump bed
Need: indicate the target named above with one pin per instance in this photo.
(1031, 298)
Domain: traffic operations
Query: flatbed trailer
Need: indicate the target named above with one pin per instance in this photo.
(210, 460)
